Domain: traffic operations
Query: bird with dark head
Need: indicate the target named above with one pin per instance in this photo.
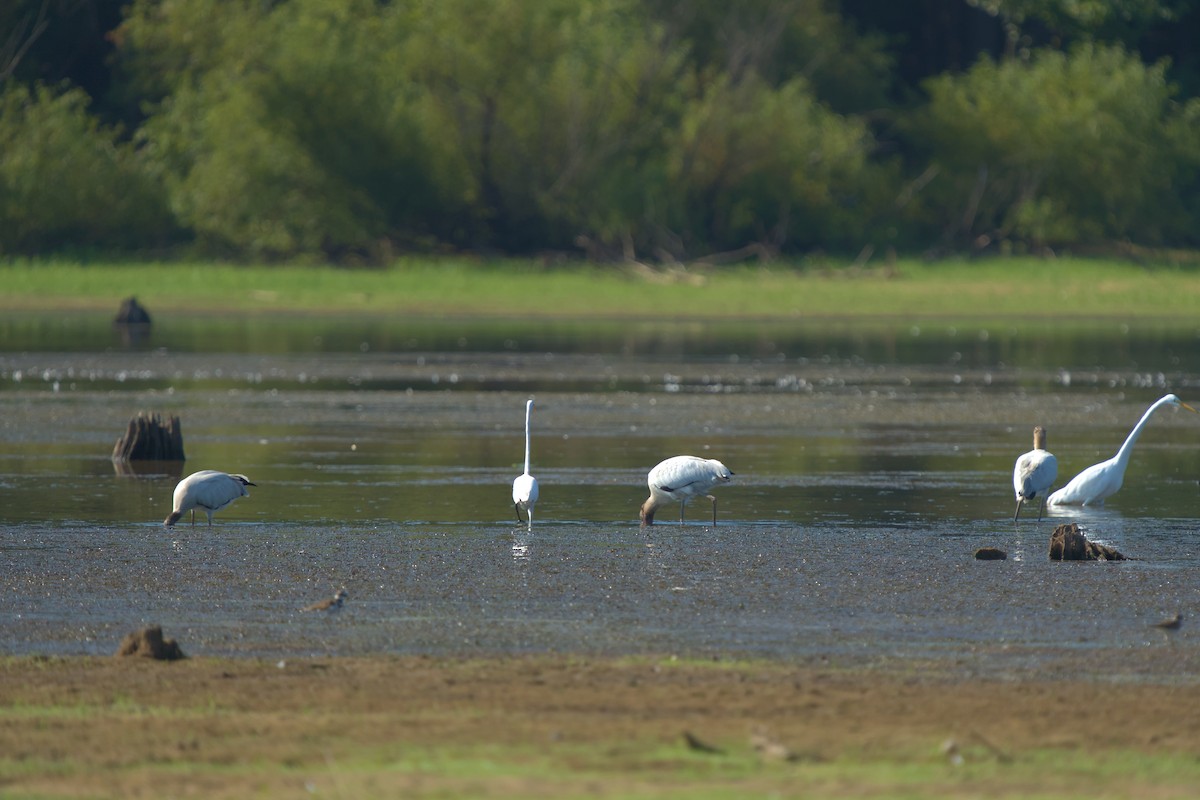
(209, 491)
(679, 479)
(330, 604)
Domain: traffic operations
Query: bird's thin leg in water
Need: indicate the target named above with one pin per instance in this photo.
(193, 517)
(714, 502)
(1042, 508)
(517, 508)
(682, 503)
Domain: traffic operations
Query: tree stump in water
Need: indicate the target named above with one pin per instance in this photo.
(1068, 543)
(148, 438)
(149, 643)
(132, 313)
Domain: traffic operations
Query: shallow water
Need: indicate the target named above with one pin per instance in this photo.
(867, 473)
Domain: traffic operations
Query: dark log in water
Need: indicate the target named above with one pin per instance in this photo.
(132, 313)
(1068, 543)
(149, 438)
(149, 643)
(990, 554)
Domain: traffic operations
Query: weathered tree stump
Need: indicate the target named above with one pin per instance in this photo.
(149, 643)
(132, 313)
(149, 438)
(1068, 543)
(990, 554)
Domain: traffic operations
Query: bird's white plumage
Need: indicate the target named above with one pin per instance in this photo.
(681, 478)
(1034, 472)
(525, 487)
(1101, 481)
(209, 491)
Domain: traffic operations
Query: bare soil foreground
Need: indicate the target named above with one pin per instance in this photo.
(567, 726)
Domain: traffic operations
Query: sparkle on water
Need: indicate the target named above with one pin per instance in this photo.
(870, 465)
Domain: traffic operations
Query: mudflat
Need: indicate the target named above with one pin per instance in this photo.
(565, 726)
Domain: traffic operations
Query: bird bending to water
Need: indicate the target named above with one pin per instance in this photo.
(680, 479)
(209, 491)
(525, 487)
(1171, 623)
(329, 603)
(1100, 481)
(1034, 473)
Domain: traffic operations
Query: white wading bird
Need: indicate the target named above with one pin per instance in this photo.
(1102, 480)
(680, 479)
(208, 490)
(1034, 473)
(525, 487)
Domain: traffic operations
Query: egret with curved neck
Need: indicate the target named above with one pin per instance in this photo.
(1100, 481)
(525, 487)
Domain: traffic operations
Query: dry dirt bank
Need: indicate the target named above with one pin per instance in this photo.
(563, 726)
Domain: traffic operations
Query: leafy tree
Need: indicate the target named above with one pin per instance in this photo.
(66, 179)
(779, 41)
(56, 41)
(1062, 148)
(755, 164)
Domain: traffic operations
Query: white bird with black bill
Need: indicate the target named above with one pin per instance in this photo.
(681, 478)
(209, 491)
(1034, 473)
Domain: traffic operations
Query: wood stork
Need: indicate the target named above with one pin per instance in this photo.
(1100, 481)
(525, 487)
(1034, 473)
(208, 490)
(680, 479)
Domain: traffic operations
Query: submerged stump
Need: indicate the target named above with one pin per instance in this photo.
(149, 643)
(990, 554)
(150, 438)
(1068, 543)
(132, 312)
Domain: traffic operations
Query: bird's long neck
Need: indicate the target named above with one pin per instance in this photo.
(528, 410)
(1127, 448)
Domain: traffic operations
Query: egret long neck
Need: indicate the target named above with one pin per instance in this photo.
(1127, 448)
(528, 410)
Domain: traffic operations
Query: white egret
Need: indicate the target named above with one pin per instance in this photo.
(1034, 473)
(525, 487)
(680, 479)
(208, 490)
(1100, 481)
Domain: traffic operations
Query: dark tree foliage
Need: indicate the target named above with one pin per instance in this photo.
(352, 130)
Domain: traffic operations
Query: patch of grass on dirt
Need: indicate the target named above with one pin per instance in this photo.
(526, 288)
(565, 727)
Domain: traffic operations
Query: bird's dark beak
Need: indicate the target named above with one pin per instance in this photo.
(249, 483)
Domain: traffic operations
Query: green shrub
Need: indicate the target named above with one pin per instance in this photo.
(1062, 148)
(65, 179)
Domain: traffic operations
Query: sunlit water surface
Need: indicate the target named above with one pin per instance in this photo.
(871, 462)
